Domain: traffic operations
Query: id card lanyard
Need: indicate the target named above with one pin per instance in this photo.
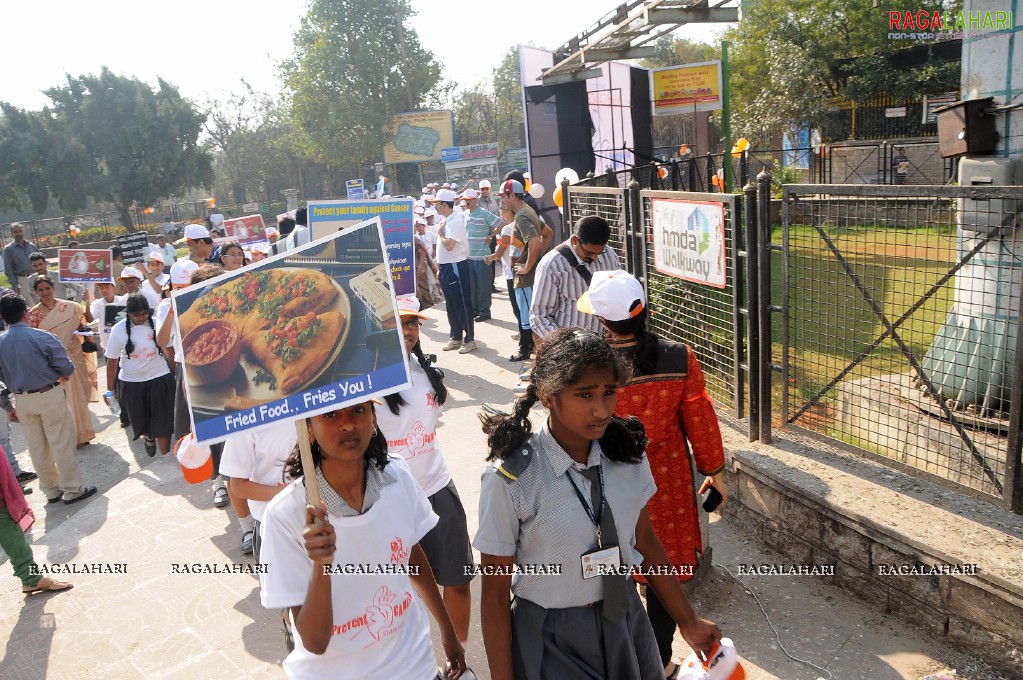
(595, 518)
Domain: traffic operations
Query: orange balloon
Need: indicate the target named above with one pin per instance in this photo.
(558, 200)
(683, 150)
(662, 173)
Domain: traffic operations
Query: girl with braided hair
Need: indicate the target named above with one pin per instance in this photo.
(564, 510)
(666, 392)
(409, 422)
(146, 383)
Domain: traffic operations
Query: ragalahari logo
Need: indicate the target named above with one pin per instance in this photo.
(935, 25)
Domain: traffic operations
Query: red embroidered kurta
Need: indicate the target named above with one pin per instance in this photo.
(671, 398)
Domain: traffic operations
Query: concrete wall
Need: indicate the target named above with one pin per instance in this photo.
(777, 498)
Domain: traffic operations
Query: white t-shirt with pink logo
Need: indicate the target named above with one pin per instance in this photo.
(412, 434)
(259, 457)
(380, 627)
(145, 362)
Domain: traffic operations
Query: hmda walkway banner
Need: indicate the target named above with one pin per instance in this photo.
(689, 240)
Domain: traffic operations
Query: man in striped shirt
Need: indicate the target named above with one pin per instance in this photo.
(480, 225)
(563, 275)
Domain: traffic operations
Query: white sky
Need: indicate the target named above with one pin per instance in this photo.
(206, 46)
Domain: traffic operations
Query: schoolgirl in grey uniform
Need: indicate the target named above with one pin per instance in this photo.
(539, 510)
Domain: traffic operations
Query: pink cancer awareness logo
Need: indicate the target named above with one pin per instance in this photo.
(399, 555)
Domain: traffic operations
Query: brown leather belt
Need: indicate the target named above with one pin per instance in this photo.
(39, 391)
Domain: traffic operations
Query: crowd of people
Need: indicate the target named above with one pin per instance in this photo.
(600, 484)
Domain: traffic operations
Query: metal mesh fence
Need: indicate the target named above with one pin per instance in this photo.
(605, 202)
(901, 323)
(699, 315)
(910, 162)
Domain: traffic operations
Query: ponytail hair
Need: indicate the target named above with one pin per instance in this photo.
(507, 432)
(137, 302)
(646, 342)
(433, 374)
(562, 359)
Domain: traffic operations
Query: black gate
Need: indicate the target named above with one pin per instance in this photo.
(899, 333)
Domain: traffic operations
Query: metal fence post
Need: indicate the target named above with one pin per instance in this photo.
(763, 255)
(566, 226)
(750, 233)
(1013, 489)
(634, 233)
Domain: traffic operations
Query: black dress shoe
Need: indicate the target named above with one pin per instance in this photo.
(27, 477)
(55, 499)
(519, 357)
(26, 490)
(86, 492)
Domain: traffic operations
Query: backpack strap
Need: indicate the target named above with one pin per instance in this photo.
(516, 463)
(579, 267)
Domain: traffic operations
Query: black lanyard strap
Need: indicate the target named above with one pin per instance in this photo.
(595, 518)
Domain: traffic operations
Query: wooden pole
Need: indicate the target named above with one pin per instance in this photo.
(312, 486)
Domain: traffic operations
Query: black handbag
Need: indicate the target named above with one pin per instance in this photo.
(89, 346)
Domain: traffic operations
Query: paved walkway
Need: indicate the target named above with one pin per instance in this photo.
(155, 622)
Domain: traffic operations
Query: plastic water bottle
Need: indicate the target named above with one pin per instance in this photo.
(115, 408)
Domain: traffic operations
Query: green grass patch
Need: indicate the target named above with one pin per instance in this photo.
(832, 323)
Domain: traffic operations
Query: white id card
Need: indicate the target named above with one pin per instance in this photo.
(601, 562)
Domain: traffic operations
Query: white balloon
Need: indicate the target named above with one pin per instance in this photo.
(536, 190)
(566, 173)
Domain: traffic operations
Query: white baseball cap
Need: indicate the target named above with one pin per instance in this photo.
(446, 195)
(181, 272)
(408, 305)
(470, 194)
(131, 273)
(158, 257)
(484, 184)
(196, 231)
(271, 231)
(614, 296)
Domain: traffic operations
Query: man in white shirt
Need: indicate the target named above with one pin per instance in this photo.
(168, 251)
(301, 234)
(156, 279)
(455, 275)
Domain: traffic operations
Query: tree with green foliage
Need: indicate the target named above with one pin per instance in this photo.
(23, 150)
(115, 139)
(251, 137)
(492, 113)
(790, 58)
(357, 63)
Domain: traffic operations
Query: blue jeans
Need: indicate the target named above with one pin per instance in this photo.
(524, 298)
(456, 282)
(482, 287)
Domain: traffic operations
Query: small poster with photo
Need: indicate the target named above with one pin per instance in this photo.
(244, 230)
(84, 265)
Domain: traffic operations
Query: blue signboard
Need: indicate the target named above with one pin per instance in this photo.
(451, 153)
(327, 217)
(356, 189)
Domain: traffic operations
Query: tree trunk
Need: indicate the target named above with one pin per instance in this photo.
(125, 216)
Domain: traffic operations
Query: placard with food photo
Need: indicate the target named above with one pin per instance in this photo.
(84, 265)
(295, 335)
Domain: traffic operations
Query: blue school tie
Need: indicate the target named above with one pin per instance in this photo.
(615, 595)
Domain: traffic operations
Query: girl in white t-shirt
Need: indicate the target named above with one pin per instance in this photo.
(352, 572)
(138, 363)
(409, 421)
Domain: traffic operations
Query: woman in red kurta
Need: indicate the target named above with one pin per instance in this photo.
(667, 394)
